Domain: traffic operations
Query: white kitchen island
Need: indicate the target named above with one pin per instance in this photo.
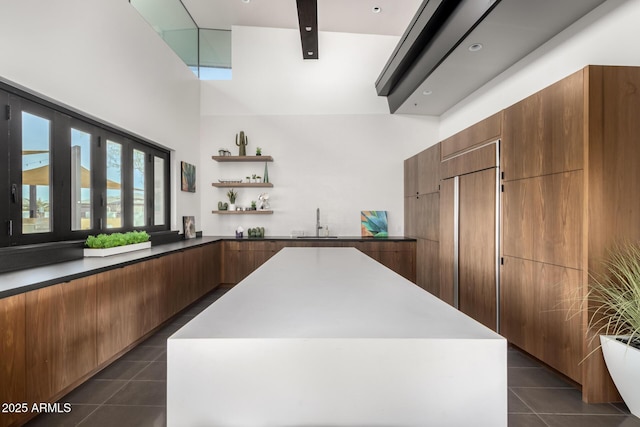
(330, 337)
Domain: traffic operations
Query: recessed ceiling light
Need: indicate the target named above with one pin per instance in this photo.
(310, 53)
(427, 92)
(376, 9)
(246, 1)
(475, 47)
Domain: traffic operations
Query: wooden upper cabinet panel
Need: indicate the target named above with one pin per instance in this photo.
(429, 170)
(544, 133)
(477, 159)
(487, 130)
(543, 217)
(411, 176)
(411, 216)
(428, 214)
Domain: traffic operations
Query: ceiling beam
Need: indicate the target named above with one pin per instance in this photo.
(308, 21)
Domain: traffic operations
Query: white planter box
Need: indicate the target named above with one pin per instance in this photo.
(115, 251)
(623, 363)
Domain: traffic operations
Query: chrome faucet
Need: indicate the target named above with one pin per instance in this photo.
(318, 226)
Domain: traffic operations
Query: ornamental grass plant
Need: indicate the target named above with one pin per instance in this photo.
(614, 296)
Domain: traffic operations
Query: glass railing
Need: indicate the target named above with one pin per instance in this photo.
(207, 52)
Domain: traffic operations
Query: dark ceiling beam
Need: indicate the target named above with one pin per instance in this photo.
(308, 21)
(436, 30)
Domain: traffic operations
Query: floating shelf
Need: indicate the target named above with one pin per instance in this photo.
(242, 158)
(256, 212)
(242, 184)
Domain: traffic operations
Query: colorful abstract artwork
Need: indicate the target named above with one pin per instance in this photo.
(188, 177)
(374, 224)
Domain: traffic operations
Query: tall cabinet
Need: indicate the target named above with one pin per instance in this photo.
(571, 183)
(422, 208)
(568, 192)
(469, 221)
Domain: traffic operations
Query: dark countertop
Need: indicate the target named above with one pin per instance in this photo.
(17, 282)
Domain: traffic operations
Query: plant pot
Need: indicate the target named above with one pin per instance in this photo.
(623, 363)
(232, 207)
(88, 252)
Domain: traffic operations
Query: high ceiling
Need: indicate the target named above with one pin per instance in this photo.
(347, 16)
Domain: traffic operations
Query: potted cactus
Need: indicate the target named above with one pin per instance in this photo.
(232, 194)
(258, 151)
(242, 141)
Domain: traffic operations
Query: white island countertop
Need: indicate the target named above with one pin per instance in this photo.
(328, 336)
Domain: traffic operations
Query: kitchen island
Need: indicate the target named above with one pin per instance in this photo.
(328, 336)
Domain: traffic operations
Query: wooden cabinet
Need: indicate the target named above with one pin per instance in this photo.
(397, 256)
(12, 356)
(469, 218)
(55, 337)
(242, 257)
(477, 255)
(422, 213)
(61, 336)
(120, 321)
(411, 176)
(545, 133)
(569, 154)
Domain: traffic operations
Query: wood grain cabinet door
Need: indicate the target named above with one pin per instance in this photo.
(61, 336)
(477, 247)
(448, 243)
(12, 355)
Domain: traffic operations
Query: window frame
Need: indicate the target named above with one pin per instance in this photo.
(62, 121)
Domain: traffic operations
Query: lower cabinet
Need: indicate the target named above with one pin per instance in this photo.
(241, 258)
(52, 339)
(60, 336)
(12, 357)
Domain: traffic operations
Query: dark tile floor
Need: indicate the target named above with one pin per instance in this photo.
(131, 392)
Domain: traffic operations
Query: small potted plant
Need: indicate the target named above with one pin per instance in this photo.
(232, 194)
(248, 179)
(258, 151)
(614, 314)
(253, 205)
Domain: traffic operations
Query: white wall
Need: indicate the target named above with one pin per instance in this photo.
(606, 36)
(335, 146)
(101, 58)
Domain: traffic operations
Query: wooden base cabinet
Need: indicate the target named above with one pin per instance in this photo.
(52, 339)
(12, 357)
(61, 336)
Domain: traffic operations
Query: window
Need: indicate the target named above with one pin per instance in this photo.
(67, 176)
(114, 184)
(81, 190)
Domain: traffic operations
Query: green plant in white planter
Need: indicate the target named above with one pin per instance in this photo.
(614, 302)
(232, 195)
(115, 243)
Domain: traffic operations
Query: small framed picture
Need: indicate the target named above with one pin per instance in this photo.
(188, 177)
(189, 224)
